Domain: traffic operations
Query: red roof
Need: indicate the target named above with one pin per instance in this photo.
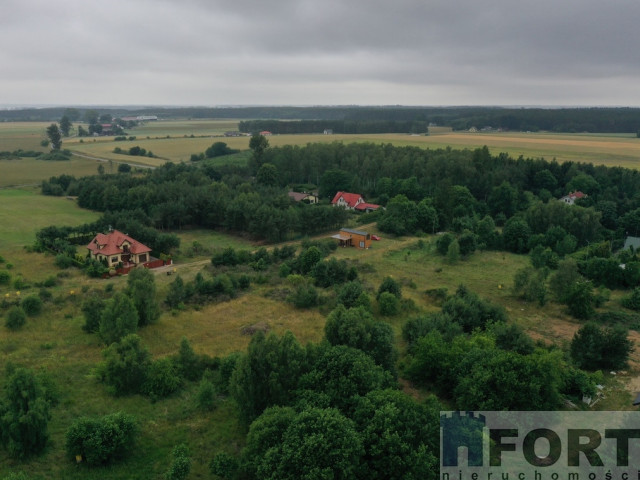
(365, 206)
(111, 244)
(350, 198)
(577, 194)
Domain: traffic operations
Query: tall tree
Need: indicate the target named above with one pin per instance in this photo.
(54, 136)
(24, 415)
(65, 125)
(141, 288)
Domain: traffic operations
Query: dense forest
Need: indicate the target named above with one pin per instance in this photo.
(348, 118)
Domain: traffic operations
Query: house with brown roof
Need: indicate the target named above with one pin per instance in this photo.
(302, 197)
(353, 238)
(116, 247)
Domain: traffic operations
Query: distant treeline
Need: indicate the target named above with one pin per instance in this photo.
(606, 120)
(333, 126)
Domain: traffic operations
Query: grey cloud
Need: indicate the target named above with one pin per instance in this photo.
(302, 51)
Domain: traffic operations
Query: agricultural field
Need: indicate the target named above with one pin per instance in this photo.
(176, 140)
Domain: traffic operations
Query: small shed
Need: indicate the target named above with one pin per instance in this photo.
(353, 238)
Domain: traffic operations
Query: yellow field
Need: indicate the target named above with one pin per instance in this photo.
(177, 140)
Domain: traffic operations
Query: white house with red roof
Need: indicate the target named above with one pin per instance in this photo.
(572, 197)
(353, 201)
(116, 247)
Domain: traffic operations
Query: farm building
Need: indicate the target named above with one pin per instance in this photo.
(353, 238)
(303, 197)
(572, 197)
(116, 247)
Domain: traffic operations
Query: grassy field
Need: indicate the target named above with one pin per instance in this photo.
(55, 342)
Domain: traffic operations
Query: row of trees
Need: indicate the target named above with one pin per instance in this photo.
(614, 120)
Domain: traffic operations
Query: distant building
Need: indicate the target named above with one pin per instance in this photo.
(265, 133)
(232, 134)
(353, 201)
(328, 131)
(303, 197)
(572, 197)
(353, 238)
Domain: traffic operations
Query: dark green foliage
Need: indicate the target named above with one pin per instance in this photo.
(330, 272)
(102, 441)
(351, 294)
(443, 242)
(304, 296)
(54, 136)
(542, 257)
(118, 319)
(511, 336)
(224, 466)
(390, 285)
(206, 395)
(16, 318)
(315, 443)
(632, 301)
(594, 348)
(515, 235)
(470, 311)
(267, 175)
(580, 300)
(399, 436)
(126, 366)
(32, 305)
(141, 288)
(467, 243)
(308, 259)
(563, 279)
(355, 327)
(530, 284)
(5, 278)
(181, 465)
(162, 379)
(341, 374)
(400, 216)
(218, 149)
(188, 364)
(267, 374)
(177, 293)
(388, 304)
(419, 327)
(24, 414)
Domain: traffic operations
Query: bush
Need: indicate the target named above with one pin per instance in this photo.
(16, 318)
(206, 396)
(391, 286)
(181, 465)
(632, 302)
(388, 304)
(162, 379)
(126, 366)
(101, 441)
(305, 296)
(63, 261)
(5, 278)
(32, 305)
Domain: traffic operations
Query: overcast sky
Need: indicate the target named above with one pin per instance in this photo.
(320, 52)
